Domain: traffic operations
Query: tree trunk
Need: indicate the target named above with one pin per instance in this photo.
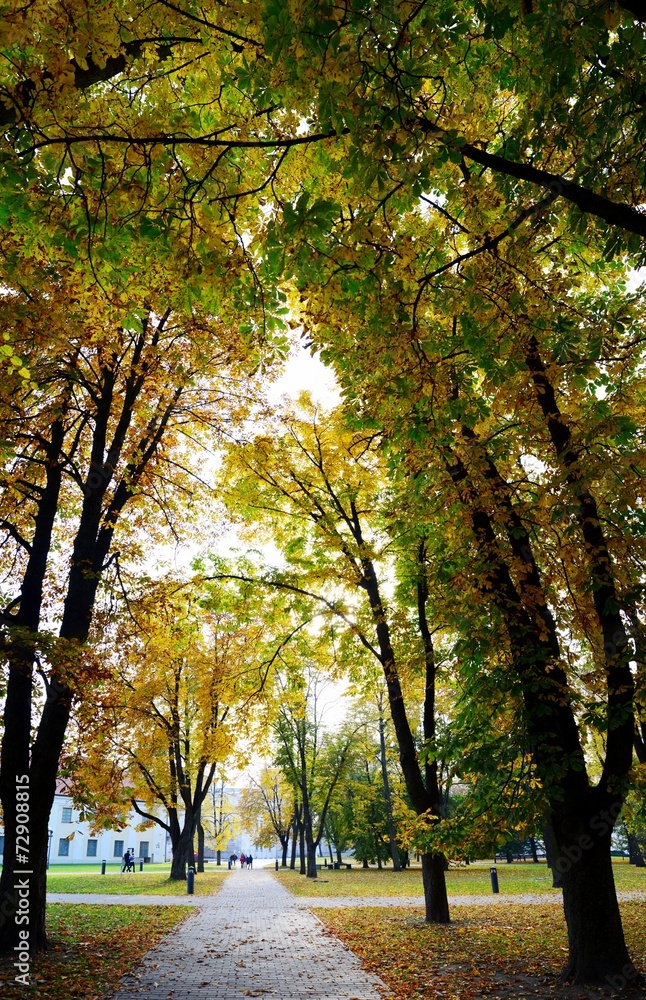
(200, 847)
(182, 853)
(435, 896)
(218, 856)
(311, 857)
(532, 844)
(292, 860)
(365, 864)
(597, 949)
(301, 846)
(377, 849)
(636, 857)
(284, 843)
(394, 850)
(551, 852)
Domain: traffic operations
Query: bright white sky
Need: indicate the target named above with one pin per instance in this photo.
(305, 370)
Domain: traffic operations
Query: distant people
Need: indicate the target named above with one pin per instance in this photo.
(232, 860)
(128, 864)
(249, 861)
(243, 860)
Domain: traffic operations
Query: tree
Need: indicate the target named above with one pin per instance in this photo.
(312, 760)
(101, 427)
(268, 809)
(172, 711)
(319, 481)
(220, 818)
(533, 544)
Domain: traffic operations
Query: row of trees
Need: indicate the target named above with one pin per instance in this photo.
(448, 201)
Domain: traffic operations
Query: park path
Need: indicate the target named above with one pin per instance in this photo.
(326, 902)
(252, 939)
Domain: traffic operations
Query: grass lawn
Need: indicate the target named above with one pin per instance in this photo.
(91, 947)
(470, 880)
(498, 952)
(150, 882)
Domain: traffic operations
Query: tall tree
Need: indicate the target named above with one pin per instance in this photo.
(319, 481)
(312, 759)
(267, 808)
(171, 713)
(101, 427)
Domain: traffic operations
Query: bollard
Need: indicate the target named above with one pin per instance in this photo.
(190, 881)
(494, 880)
(229, 865)
(276, 864)
(103, 867)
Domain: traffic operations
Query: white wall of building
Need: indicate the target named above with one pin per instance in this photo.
(72, 843)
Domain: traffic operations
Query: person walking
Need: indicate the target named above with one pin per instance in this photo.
(249, 861)
(126, 862)
(242, 860)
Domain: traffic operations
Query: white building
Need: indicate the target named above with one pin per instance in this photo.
(71, 842)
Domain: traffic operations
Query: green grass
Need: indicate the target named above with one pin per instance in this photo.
(155, 883)
(501, 952)
(470, 880)
(115, 866)
(91, 948)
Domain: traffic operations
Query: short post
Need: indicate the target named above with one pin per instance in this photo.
(103, 867)
(190, 881)
(141, 866)
(229, 863)
(494, 880)
(276, 864)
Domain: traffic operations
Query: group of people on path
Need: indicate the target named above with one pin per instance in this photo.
(246, 860)
(128, 862)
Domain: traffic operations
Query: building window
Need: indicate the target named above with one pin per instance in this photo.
(118, 848)
(144, 848)
(2, 844)
(91, 848)
(63, 848)
(67, 814)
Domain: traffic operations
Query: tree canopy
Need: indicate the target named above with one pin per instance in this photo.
(447, 201)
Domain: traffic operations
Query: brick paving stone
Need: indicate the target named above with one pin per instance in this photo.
(252, 939)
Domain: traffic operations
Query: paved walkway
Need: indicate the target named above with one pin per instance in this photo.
(520, 899)
(107, 898)
(327, 902)
(250, 940)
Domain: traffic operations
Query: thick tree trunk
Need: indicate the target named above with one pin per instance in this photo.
(435, 896)
(292, 860)
(532, 844)
(182, 853)
(311, 857)
(597, 948)
(200, 847)
(284, 843)
(218, 857)
(551, 852)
